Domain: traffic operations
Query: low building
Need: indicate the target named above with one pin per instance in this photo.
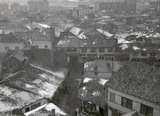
(10, 42)
(88, 45)
(135, 87)
(30, 95)
(82, 11)
(41, 40)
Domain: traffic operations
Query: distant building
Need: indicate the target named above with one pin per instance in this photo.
(89, 46)
(10, 42)
(82, 11)
(135, 87)
(38, 7)
(40, 40)
(118, 6)
(4, 8)
(30, 98)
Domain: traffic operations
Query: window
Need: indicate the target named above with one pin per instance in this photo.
(93, 49)
(101, 50)
(146, 110)
(143, 54)
(46, 46)
(27, 109)
(84, 50)
(152, 54)
(112, 97)
(126, 102)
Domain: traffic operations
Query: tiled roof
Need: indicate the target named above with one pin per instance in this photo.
(139, 80)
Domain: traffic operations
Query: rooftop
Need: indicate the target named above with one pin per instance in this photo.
(138, 79)
(9, 38)
(29, 86)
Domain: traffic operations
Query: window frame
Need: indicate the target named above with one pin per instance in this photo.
(127, 103)
(145, 110)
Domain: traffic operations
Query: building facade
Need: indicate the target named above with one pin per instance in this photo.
(120, 103)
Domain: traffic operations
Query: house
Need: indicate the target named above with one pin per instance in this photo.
(10, 42)
(135, 87)
(41, 40)
(92, 96)
(92, 45)
(30, 95)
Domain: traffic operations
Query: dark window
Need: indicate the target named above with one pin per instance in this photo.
(126, 102)
(84, 49)
(46, 46)
(34, 106)
(143, 54)
(27, 109)
(72, 49)
(93, 49)
(101, 49)
(146, 110)
(152, 54)
(112, 97)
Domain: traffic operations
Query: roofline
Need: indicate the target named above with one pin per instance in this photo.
(136, 98)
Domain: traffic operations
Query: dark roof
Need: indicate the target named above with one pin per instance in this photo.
(139, 80)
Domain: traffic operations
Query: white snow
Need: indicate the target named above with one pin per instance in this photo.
(51, 106)
(105, 33)
(28, 85)
(58, 74)
(76, 31)
(44, 25)
(5, 91)
(135, 48)
(87, 79)
(96, 93)
(124, 46)
(35, 110)
(103, 81)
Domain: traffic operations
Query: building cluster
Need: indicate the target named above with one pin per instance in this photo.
(29, 92)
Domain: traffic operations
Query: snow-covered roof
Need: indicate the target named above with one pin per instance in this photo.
(43, 85)
(107, 34)
(87, 79)
(78, 32)
(51, 106)
(46, 108)
(136, 48)
(103, 81)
